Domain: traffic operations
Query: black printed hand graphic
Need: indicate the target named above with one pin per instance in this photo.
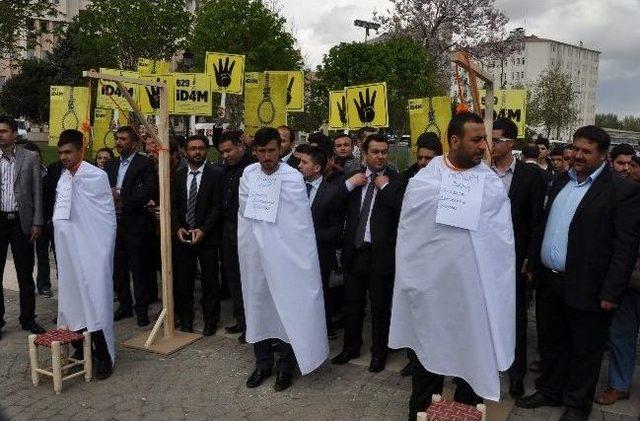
(366, 110)
(153, 92)
(223, 72)
(342, 110)
(289, 90)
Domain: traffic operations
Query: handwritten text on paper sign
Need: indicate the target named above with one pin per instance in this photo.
(460, 200)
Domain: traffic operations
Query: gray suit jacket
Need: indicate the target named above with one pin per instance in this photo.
(27, 186)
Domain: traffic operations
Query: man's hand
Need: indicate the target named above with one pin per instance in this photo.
(366, 106)
(221, 114)
(182, 235)
(381, 181)
(197, 236)
(223, 72)
(358, 179)
(117, 199)
(36, 232)
(607, 305)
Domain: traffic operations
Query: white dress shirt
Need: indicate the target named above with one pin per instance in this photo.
(198, 178)
(122, 169)
(350, 187)
(7, 170)
(315, 185)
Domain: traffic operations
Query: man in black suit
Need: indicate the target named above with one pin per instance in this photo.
(588, 252)
(195, 210)
(368, 253)
(428, 147)
(326, 200)
(287, 138)
(525, 186)
(134, 183)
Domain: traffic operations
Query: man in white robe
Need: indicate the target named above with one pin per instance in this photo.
(279, 267)
(454, 294)
(84, 222)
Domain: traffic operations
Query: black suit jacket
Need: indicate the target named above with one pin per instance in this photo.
(293, 161)
(526, 193)
(327, 211)
(49, 185)
(208, 210)
(603, 240)
(139, 186)
(383, 225)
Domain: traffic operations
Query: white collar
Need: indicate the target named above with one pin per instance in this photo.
(315, 183)
(201, 168)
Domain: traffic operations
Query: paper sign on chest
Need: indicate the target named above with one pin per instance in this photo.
(64, 192)
(460, 199)
(263, 199)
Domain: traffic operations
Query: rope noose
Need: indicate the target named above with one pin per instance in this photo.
(70, 112)
(432, 123)
(266, 102)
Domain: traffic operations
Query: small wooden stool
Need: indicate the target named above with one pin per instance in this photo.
(442, 410)
(59, 340)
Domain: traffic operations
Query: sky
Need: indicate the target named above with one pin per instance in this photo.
(612, 27)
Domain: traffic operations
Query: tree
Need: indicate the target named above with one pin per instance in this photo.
(15, 22)
(406, 65)
(553, 102)
(609, 121)
(27, 93)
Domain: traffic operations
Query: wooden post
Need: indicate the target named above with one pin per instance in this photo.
(33, 359)
(56, 366)
(86, 356)
(171, 340)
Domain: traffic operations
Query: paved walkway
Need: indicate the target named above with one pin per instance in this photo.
(206, 381)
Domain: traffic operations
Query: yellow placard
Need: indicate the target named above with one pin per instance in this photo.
(367, 105)
(147, 66)
(338, 110)
(192, 94)
(68, 108)
(106, 89)
(150, 95)
(265, 101)
(227, 72)
(295, 89)
(103, 127)
(509, 103)
(430, 115)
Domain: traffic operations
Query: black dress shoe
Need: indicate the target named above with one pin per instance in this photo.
(186, 327)
(535, 401)
(104, 369)
(378, 362)
(516, 388)
(122, 314)
(33, 327)
(242, 338)
(407, 370)
(257, 377)
(283, 381)
(571, 414)
(344, 357)
(143, 320)
(209, 328)
(235, 329)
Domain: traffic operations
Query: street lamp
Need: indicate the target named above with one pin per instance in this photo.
(367, 26)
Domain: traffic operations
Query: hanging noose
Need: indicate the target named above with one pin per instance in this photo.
(432, 123)
(266, 104)
(71, 112)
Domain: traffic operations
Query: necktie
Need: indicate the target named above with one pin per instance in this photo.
(191, 201)
(309, 188)
(364, 213)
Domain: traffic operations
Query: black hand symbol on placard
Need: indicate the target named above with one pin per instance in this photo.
(366, 110)
(289, 90)
(342, 110)
(153, 92)
(223, 72)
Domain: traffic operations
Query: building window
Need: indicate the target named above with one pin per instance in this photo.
(523, 61)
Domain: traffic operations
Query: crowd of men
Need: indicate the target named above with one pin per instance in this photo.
(560, 225)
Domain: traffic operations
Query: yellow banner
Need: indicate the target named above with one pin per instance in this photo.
(150, 95)
(106, 89)
(68, 108)
(103, 127)
(430, 115)
(509, 103)
(265, 101)
(147, 66)
(367, 105)
(337, 110)
(227, 72)
(295, 89)
(192, 95)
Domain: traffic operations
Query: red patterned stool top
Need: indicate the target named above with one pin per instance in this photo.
(58, 335)
(452, 411)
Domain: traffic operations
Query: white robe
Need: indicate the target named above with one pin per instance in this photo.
(454, 294)
(84, 250)
(280, 272)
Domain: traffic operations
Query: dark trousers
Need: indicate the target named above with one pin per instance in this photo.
(231, 268)
(425, 383)
(132, 255)
(380, 286)
(571, 342)
(519, 367)
(22, 251)
(265, 350)
(99, 349)
(43, 277)
(186, 258)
